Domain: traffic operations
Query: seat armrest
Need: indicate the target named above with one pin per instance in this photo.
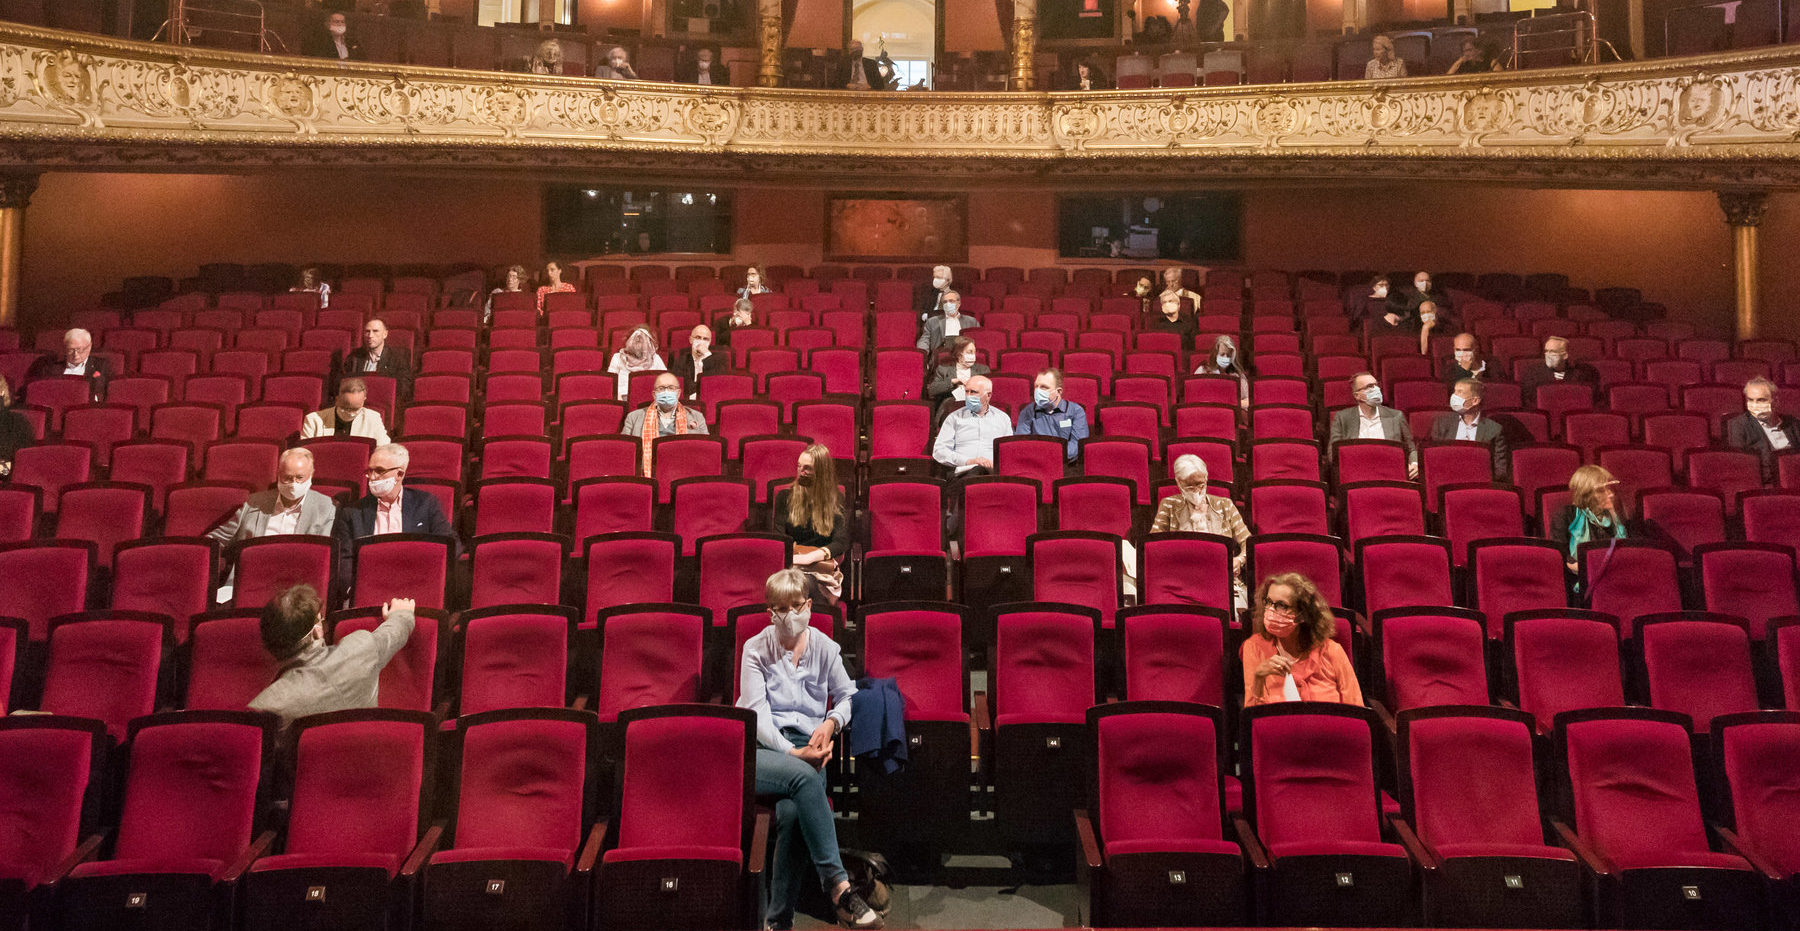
(83, 852)
(978, 709)
(427, 846)
(1090, 845)
(1386, 717)
(1734, 844)
(759, 843)
(590, 851)
(1415, 848)
(1508, 705)
(257, 848)
(1579, 848)
(1253, 848)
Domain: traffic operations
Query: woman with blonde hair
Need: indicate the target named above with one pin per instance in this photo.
(1291, 654)
(548, 59)
(1224, 360)
(811, 513)
(1593, 513)
(639, 355)
(1384, 63)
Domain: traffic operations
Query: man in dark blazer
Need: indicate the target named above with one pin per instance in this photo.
(698, 360)
(1557, 367)
(376, 357)
(1760, 429)
(77, 360)
(335, 41)
(701, 67)
(845, 77)
(1466, 362)
(935, 335)
(389, 507)
(928, 296)
(1371, 421)
(1465, 422)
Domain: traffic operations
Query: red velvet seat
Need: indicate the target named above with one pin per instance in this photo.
(1319, 558)
(1039, 458)
(52, 467)
(706, 506)
(1639, 578)
(1404, 571)
(267, 566)
(1185, 569)
(1377, 509)
(1369, 460)
(924, 806)
(1697, 664)
(516, 457)
(54, 767)
(1688, 518)
(1757, 752)
(1077, 567)
(1042, 683)
(904, 560)
(402, 565)
(1430, 656)
(69, 562)
(628, 568)
(104, 665)
(1099, 505)
(1752, 580)
(515, 505)
(733, 568)
(105, 514)
(227, 664)
(612, 505)
(1128, 458)
(1288, 506)
(516, 568)
(513, 656)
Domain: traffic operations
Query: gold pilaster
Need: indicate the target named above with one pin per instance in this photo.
(1744, 213)
(1024, 45)
(769, 39)
(15, 196)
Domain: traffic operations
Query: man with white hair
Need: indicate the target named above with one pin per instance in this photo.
(290, 507)
(929, 296)
(77, 360)
(389, 507)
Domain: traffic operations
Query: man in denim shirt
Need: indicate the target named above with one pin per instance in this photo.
(1050, 415)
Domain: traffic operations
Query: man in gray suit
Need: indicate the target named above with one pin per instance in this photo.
(1465, 422)
(1368, 420)
(288, 508)
(938, 331)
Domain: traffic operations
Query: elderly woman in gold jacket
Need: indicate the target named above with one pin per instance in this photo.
(1192, 510)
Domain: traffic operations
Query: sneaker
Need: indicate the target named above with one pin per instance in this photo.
(853, 912)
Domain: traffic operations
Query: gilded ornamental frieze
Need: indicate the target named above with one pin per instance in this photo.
(78, 100)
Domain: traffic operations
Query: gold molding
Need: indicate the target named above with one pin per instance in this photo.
(80, 101)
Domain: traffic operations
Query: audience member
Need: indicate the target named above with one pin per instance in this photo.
(811, 512)
(1476, 58)
(513, 283)
(376, 357)
(1368, 420)
(1223, 360)
(15, 430)
(1557, 367)
(1193, 510)
(77, 360)
(311, 282)
(965, 443)
(858, 73)
(1422, 293)
(336, 42)
(1050, 414)
(1171, 281)
(389, 507)
(937, 330)
(698, 360)
(701, 69)
(1760, 429)
(548, 59)
(1428, 321)
(743, 314)
(1385, 64)
(616, 66)
(1086, 76)
(1465, 422)
(947, 380)
(315, 677)
(1593, 513)
(1172, 320)
(672, 418)
(1371, 309)
(291, 507)
(553, 283)
(1145, 291)
(1292, 653)
(793, 677)
(639, 355)
(753, 283)
(350, 415)
(1466, 361)
(929, 296)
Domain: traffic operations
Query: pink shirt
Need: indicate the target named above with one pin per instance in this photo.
(387, 516)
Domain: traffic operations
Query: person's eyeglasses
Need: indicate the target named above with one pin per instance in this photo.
(372, 472)
(1283, 608)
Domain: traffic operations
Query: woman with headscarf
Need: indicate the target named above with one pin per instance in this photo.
(639, 355)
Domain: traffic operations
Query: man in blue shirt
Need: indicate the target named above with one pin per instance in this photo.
(1050, 415)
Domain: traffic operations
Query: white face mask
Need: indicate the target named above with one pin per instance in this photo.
(1224, 362)
(1422, 284)
(1372, 395)
(338, 29)
(1381, 290)
(1195, 497)
(294, 491)
(790, 624)
(952, 309)
(383, 487)
(1552, 360)
(940, 283)
(1457, 403)
(1464, 357)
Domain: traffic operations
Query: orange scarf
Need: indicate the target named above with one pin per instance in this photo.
(652, 423)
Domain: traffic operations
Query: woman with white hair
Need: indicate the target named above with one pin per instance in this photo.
(1192, 510)
(1223, 360)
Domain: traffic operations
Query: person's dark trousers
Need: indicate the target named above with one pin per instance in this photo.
(953, 500)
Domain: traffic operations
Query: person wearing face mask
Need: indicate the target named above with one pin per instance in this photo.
(1557, 367)
(317, 677)
(665, 415)
(616, 66)
(639, 355)
(1291, 654)
(1050, 414)
(291, 507)
(1145, 293)
(513, 283)
(933, 336)
(1465, 422)
(1170, 319)
(1760, 429)
(1193, 510)
(1369, 420)
(1466, 361)
(350, 415)
(859, 73)
(15, 431)
(948, 380)
(965, 444)
(811, 513)
(1370, 306)
(389, 507)
(743, 314)
(77, 360)
(792, 676)
(700, 69)
(753, 283)
(929, 296)
(1224, 360)
(699, 360)
(335, 41)
(1172, 287)
(1423, 292)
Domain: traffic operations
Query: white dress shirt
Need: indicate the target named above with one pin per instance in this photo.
(965, 437)
(1371, 426)
(1777, 438)
(1465, 429)
(284, 521)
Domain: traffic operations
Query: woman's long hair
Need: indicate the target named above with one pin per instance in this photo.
(1313, 620)
(817, 505)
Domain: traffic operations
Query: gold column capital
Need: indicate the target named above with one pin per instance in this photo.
(1744, 207)
(16, 188)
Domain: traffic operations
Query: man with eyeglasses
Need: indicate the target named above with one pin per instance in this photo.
(1762, 430)
(389, 507)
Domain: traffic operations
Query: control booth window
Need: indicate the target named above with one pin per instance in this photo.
(1201, 227)
(594, 220)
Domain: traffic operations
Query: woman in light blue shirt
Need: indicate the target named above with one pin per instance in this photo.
(793, 677)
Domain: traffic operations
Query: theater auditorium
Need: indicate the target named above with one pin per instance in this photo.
(736, 464)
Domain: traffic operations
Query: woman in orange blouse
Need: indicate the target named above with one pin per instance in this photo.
(1290, 654)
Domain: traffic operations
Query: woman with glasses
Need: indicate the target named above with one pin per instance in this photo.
(1290, 654)
(1192, 510)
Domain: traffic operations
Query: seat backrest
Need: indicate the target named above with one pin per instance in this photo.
(104, 665)
(524, 779)
(998, 514)
(1632, 781)
(686, 780)
(1636, 578)
(228, 664)
(1772, 517)
(408, 680)
(1754, 581)
(267, 566)
(1310, 778)
(47, 768)
(1690, 518)
(627, 568)
(401, 565)
(1516, 574)
(514, 656)
(1076, 567)
(613, 505)
(734, 567)
(1433, 656)
(905, 515)
(1477, 512)
(1379, 509)
(1174, 653)
(1158, 775)
(1043, 661)
(1102, 505)
(1404, 571)
(358, 783)
(1760, 756)
(191, 786)
(707, 506)
(919, 644)
(1317, 558)
(1700, 668)
(1469, 777)
(650, 654)
(69, 562)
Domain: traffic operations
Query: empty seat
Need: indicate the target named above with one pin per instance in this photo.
(513, 656)
(54, 768)
(1043, 683)
(1431, 656)
(104, 665)
(1698, 665)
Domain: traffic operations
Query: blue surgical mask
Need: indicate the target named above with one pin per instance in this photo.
(666, 398)
(1224, 362)
(972, 404)
(1040, 397)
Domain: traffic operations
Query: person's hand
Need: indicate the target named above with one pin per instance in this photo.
(1412, 470)
(5, 468)
(1572, 567)
(984, 463)
(1274, 666)
(1237, 564)
(815, 757)
(1392, 319)
(822, 735)
(398, 604)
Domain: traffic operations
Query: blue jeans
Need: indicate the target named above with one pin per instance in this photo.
(801, 792)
